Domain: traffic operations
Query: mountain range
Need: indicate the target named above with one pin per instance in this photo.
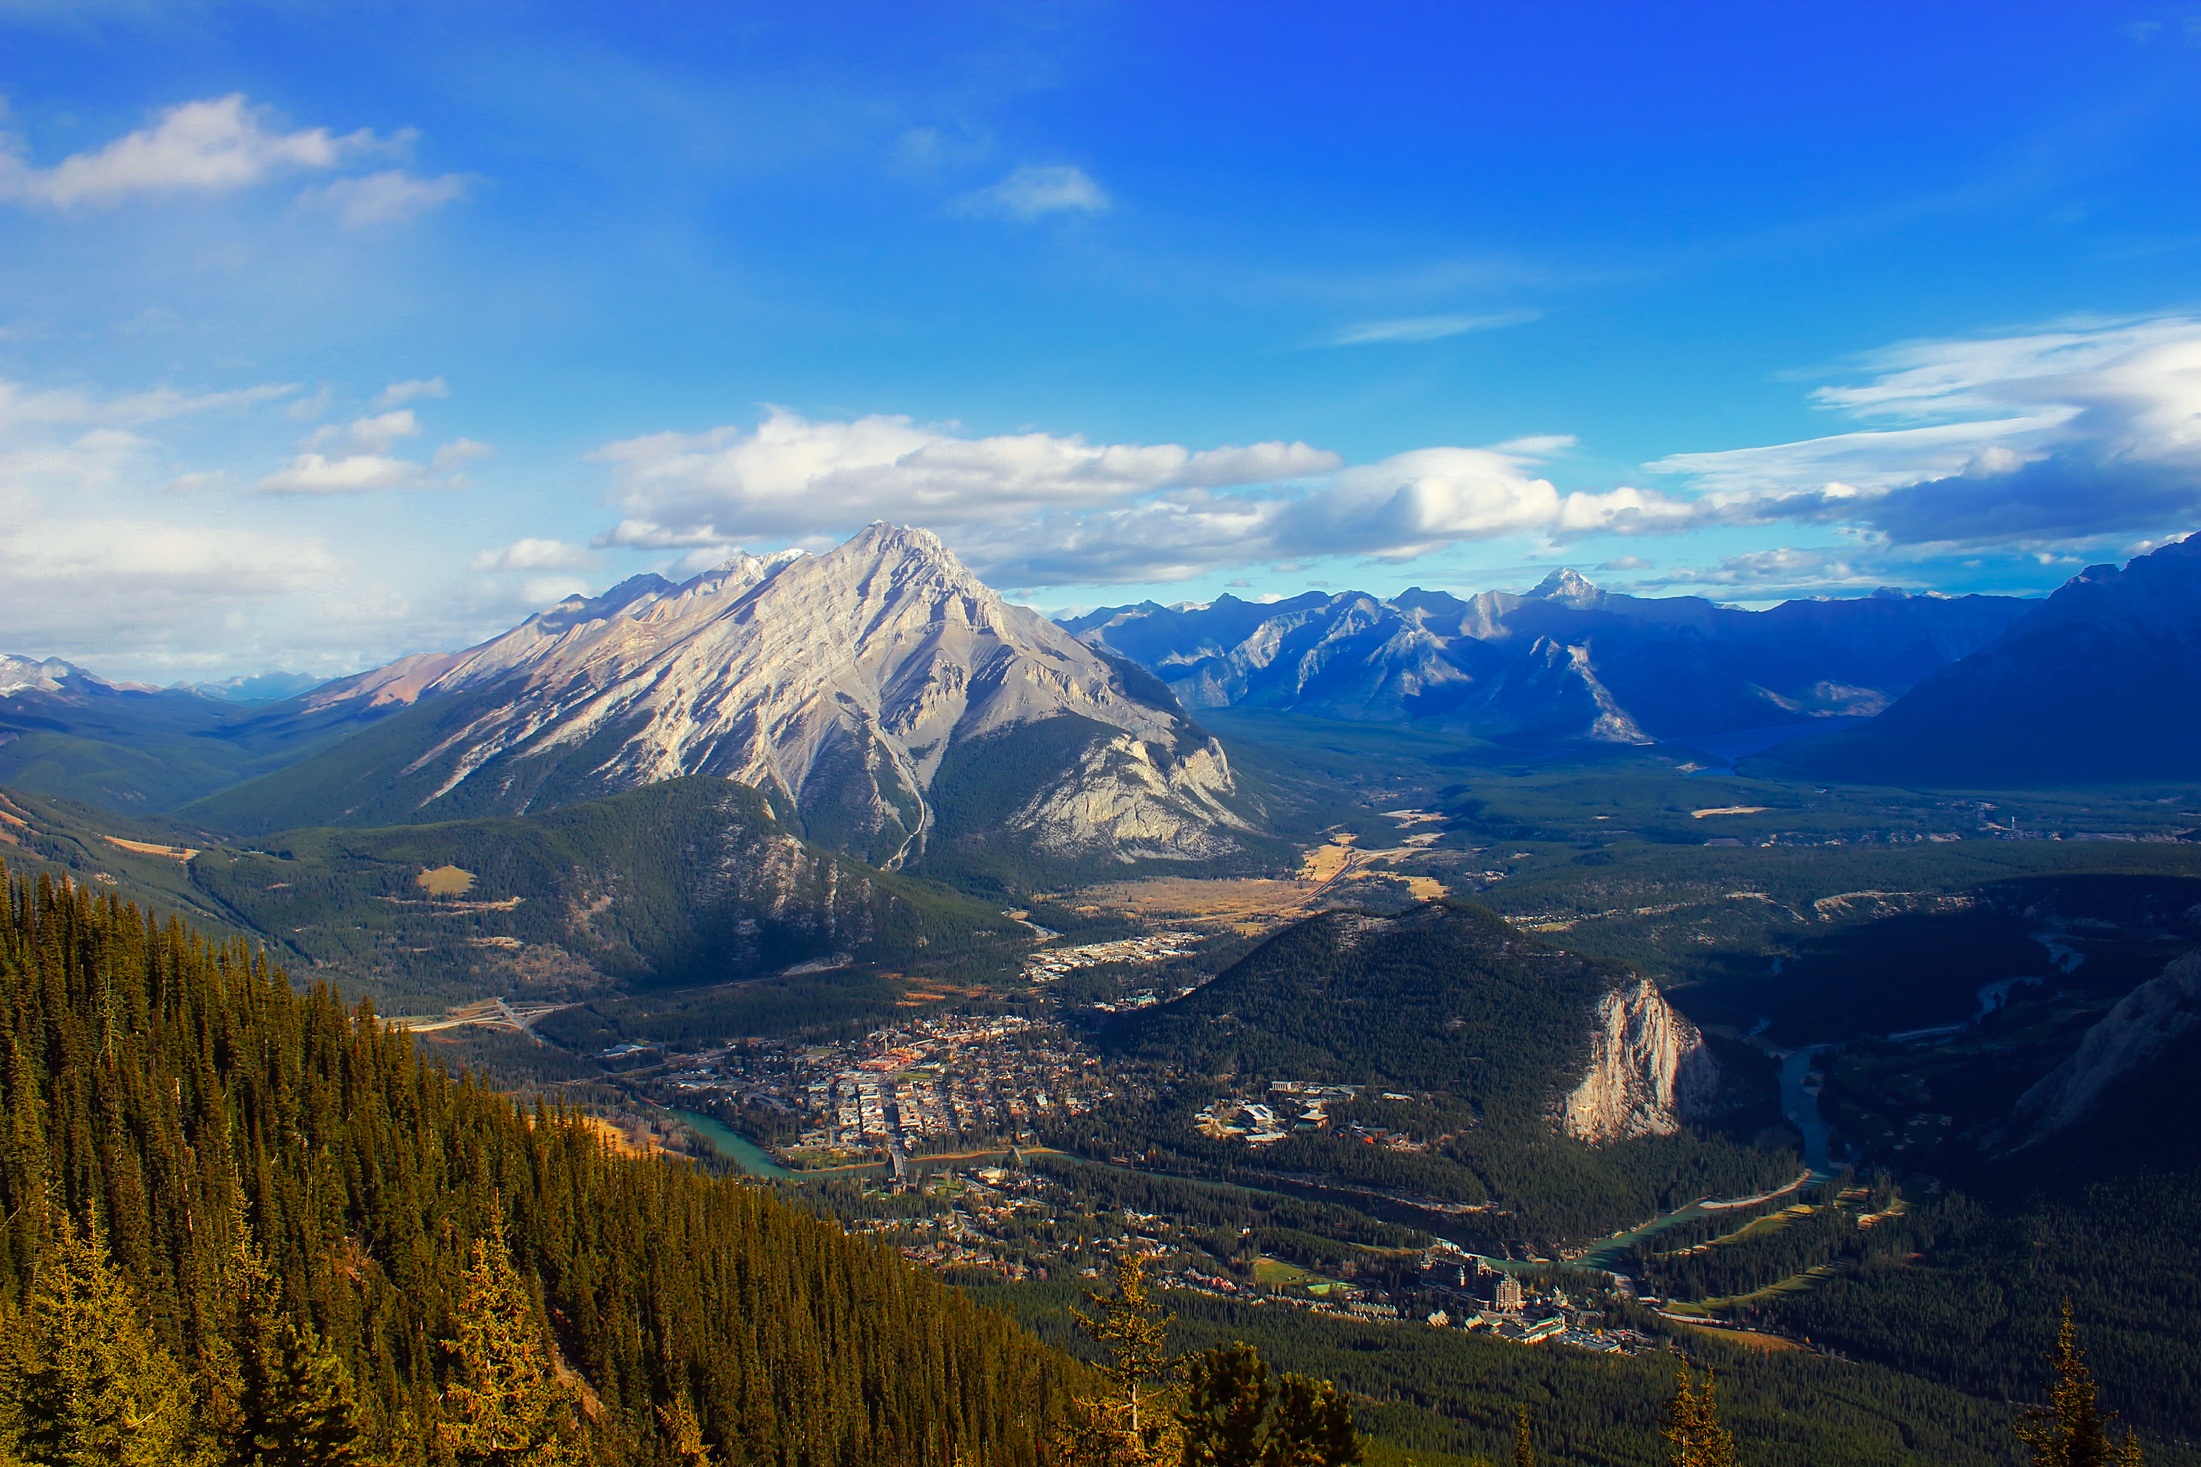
(1566, 661)
(2100, 682)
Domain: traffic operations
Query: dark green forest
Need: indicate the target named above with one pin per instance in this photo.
(1446, 1006)
(192, 1144)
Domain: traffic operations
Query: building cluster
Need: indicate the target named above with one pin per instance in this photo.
(921, 1086)
(1049, 964)
(1286, 1106)
(1476, 1295)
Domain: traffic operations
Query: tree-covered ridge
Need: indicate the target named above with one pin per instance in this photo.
(1464, 1036)
(1446, 997)
(184, 1104)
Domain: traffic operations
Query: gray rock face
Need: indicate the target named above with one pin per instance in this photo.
(1566, 661)
(1650, 1070)
(838, 684)
(2128, 1038)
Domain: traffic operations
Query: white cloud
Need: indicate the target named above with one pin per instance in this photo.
(369, 435)
(1852, 463)
(791, 476)
(22, 407)
(1037, 509)
(213, 146)
(2060, 434)
(1428, 328)
(1408, 505)
(352, 473)
(391, 196)
(458, 453)
(363, 463)
(93, 550)
(397, 394)
(534, 555)
(1031, 192)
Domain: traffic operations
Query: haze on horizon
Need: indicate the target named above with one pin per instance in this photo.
(330, 337)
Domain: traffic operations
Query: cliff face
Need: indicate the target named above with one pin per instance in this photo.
(1649, 1070)
(2128, 1038)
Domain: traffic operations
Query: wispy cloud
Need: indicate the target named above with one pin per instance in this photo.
(1032, 192)
(397, 394)
(533, 555)
(358, 458)
(2059, 434)
(1427, 328)
(214, 146)
(391, 196)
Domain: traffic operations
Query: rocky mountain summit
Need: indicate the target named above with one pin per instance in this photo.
(850, 688)
(1565, 661)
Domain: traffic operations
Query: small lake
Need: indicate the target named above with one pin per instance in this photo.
(732, 1145)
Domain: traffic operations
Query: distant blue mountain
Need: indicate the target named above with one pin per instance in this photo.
(2100, 682)
(1566, 661)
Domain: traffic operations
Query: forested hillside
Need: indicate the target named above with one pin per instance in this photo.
(1463, 1036)
(232, 1214)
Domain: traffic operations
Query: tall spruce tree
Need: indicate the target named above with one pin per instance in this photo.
(289, 1400)
(1231, 1416)
(1693, 1428)
(1524, 1449)
(1226, 1396)
(505, 1406)
(84, 1381)
(2072, 1430)
(1131, 1423)
(1311, 1426)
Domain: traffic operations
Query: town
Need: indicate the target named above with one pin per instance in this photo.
(929, 1085)
(1033, 1216)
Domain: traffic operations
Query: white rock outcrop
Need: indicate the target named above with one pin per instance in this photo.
(1650, 1070)
(835, 683)
(2128, 1038)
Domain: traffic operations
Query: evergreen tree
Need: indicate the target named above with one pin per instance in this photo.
(1226, 1395)
(505, 1406)
(1693, 1426)
(291, 1402)
(1312, 1426)
(2072, 1430)
(1524, 1450)
(685, 1433)
(85, 1381)
(1131, 1425)
(187, 1094)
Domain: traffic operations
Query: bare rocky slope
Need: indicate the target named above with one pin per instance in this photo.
(1650, 1070)
(848, 687)
(1566, 661)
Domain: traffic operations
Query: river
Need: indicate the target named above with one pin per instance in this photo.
(1800, 1104)
(732, 1145)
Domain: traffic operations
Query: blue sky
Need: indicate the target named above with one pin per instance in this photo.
(329, 333)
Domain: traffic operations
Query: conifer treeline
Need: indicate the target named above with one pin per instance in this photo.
(183, 1103)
